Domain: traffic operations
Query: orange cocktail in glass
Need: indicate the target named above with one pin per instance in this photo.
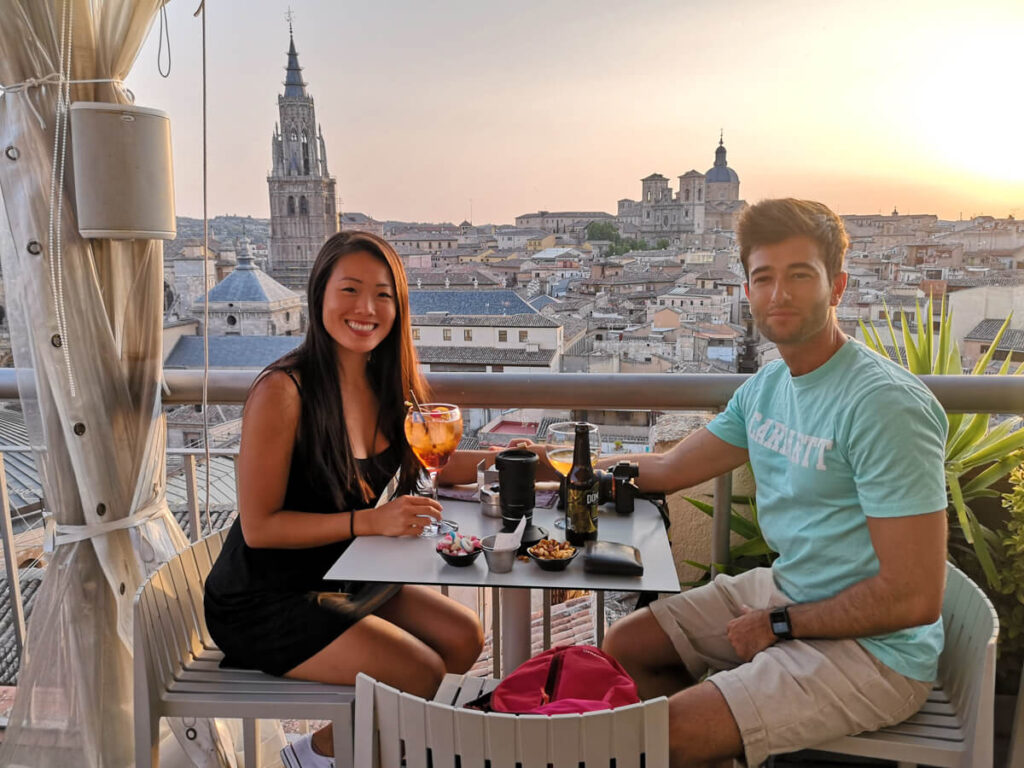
(433, 431)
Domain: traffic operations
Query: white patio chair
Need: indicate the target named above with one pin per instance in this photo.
(177, 672)
(954, 728)
(388, 720)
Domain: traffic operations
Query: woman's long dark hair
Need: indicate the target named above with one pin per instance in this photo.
(393, 370)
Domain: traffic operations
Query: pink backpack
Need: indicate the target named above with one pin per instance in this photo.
(563, 680)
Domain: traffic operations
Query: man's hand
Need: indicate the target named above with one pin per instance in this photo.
(750, 633)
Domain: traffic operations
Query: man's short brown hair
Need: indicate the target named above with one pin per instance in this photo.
(772, 221)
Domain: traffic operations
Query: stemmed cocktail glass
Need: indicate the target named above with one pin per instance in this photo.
(559, 443)
(433, 431)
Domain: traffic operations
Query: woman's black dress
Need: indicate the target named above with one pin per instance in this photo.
(270, 609)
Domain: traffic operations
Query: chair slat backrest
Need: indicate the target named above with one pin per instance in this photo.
(501, 739)
(413, 718)
(627, 734)
(470, 739)
(187, 596)
(532, 741)
(967, 663)
(440, 722)
(597, 736)
(385, 718)
(159, 664)
(190, 567)
(564, 739)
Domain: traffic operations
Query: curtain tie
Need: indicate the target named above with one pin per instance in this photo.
(55, 534)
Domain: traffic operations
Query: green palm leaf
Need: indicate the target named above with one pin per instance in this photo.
(986, 358)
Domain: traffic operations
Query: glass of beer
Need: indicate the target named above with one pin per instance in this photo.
(434, 431)
(558, 445)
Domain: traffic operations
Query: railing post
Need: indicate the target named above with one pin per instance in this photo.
(546, 619)
(720, 522)
(192, 491)
(496, 632)
(11, 562)
(598, 617)
(234, 469)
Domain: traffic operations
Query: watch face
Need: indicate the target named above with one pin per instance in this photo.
(780, 626)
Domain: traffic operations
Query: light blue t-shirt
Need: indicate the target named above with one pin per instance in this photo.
(857, 437)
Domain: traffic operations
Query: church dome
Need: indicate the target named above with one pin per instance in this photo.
(721, 172)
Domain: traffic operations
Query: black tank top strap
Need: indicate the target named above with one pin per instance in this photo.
(294, 380)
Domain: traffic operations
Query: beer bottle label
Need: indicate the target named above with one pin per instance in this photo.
(581, 511)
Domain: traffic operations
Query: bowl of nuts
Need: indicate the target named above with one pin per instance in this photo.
(552, 555)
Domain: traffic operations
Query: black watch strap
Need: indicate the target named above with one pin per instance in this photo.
(779, 619)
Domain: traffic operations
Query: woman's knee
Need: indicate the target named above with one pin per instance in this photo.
(420, 672)
(463, 640)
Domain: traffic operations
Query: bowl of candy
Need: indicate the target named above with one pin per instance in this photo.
(552, 555)
(459, 550)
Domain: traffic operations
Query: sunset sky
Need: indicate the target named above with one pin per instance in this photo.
(567, 104)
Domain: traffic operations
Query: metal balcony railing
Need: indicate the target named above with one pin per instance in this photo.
(646, 392)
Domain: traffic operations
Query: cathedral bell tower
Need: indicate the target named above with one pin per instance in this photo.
(303, 207)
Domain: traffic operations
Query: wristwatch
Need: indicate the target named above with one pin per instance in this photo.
(779, 619)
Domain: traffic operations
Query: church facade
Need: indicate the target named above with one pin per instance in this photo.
(303, 198)
(703, 202)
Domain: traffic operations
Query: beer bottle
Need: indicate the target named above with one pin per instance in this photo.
(581, 487)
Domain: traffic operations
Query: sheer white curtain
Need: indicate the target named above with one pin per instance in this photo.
(94, 417)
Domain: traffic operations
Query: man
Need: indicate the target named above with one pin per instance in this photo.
(842, 633)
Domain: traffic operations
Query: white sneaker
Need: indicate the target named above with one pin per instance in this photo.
(300, 754)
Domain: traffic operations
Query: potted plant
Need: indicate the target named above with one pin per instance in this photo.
(976, 457)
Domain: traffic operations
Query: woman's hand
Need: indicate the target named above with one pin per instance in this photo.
(404, 516)
(528, 444)
(544, 469)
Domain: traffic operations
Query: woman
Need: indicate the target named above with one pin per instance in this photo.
(322, 434)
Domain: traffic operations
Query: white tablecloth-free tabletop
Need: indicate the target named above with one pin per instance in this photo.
(414, 561)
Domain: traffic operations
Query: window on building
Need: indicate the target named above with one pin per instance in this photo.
(497, 369)
(303, 206)
(415, 334)
(467, 334)
(502, 335)
(232, 320)
(700, 195)
(686, 195)
(291, 205)
(523, 336)
(446, 334)
(287, 316)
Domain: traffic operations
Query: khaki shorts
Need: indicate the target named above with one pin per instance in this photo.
(794, 694)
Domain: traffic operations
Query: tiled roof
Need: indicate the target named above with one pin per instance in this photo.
(539, 302)
(222, 485)
(468, 302)
(556, 253)
(246, 283)
(721, 275)
(29, 579)
(231, 351)
(433, 277)
(489, 321)
(484, 355)
(986, 330)
(22, 479)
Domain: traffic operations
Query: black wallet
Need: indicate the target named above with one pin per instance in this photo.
(612, 557)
